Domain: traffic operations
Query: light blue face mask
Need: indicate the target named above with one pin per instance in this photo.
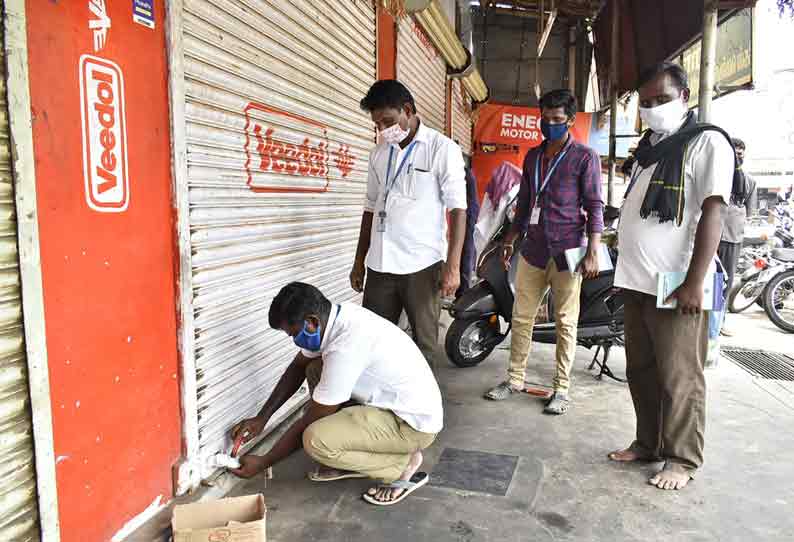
(308, 341)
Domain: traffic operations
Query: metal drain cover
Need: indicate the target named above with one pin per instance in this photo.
(767, 365)
(474, 471)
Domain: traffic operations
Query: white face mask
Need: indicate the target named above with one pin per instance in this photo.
(393, 135)
(665, 118)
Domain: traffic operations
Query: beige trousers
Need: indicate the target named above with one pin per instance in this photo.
(364, 439)
(531, 285)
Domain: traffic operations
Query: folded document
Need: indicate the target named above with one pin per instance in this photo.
(573, 256)
(713, 290)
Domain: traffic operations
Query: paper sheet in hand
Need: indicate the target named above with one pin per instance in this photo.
(712, 290)
(575, 255)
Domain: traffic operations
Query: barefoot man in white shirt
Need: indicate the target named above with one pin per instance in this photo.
(670, 222)
(350, 354)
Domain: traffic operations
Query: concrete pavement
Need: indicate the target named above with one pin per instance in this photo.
(563, 487)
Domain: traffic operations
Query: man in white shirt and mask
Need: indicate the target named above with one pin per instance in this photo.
(416, 175)
(670, 222)
(348, 353)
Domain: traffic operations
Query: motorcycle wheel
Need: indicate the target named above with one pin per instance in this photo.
(469, 342)
(779, 301)
(741, 297)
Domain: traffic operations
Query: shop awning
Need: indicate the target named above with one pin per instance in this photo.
(650, 32)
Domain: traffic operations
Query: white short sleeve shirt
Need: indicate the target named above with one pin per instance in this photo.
(432, 180)
(370, 360)
(648, 247)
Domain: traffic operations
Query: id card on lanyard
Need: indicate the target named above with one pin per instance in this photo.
(381, 226)
(534, 218)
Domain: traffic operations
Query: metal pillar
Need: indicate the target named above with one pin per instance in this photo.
(614, 59)
(572, 48)
(708, 59)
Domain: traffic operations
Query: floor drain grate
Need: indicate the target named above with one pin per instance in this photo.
(768, 365)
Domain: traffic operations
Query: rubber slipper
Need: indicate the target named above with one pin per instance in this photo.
(417, 480)
(315, 476)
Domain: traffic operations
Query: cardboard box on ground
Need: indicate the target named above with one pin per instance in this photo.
(239, 519)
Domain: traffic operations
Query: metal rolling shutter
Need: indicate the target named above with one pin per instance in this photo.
(277, 160)
(461, 117)
(423, 71)
(18, 508)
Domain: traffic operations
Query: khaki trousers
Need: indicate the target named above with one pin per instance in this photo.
(531, 285)
(364, 439)
(665, 355)
(419, 294)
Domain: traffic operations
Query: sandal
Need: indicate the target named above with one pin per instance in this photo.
(501, 391)
(417, 480)
(558, 404)
(333, 475)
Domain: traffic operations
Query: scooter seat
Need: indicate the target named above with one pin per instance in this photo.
(784, 254)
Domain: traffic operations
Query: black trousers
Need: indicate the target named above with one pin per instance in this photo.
(729, 256)
(418, 294)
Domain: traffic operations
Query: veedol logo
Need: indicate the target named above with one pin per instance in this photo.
(104, 135)
(100, 24)
(269, 152)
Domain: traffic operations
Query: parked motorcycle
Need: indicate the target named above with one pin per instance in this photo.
(761, 260)
(478, 314)
(756, 268)
(779, 293)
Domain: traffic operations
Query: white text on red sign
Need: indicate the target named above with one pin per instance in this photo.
(104, 135)
(520, 127)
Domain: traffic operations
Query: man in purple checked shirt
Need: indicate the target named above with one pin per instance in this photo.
(559, 207)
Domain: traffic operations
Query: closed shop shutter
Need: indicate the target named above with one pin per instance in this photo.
(18, 509)
(423, 71)
(277, 152)
(461, 117)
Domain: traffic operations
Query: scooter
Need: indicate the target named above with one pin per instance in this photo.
(477, 327)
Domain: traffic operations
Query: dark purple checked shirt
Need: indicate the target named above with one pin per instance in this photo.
(571, 205)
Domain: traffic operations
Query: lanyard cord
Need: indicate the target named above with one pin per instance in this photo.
(540, 188)
(390, 185)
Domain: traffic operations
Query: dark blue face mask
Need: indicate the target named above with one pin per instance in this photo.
(553, 132)
(308, 341)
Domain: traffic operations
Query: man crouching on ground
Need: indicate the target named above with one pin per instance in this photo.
(349, 353)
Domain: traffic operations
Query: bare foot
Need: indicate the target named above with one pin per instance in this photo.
(669, 478)
(385, 494)
(630, 455)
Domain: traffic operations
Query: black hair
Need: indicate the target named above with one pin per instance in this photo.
(628, 165)
(676, 73)
(295, 302)
(738, 143)
(387, 93)
(561, 97)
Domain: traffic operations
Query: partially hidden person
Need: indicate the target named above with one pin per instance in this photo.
(406, 259)
(743, 203)
(671, 221)
(559, 207)
(468, 259)
(349, 354)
